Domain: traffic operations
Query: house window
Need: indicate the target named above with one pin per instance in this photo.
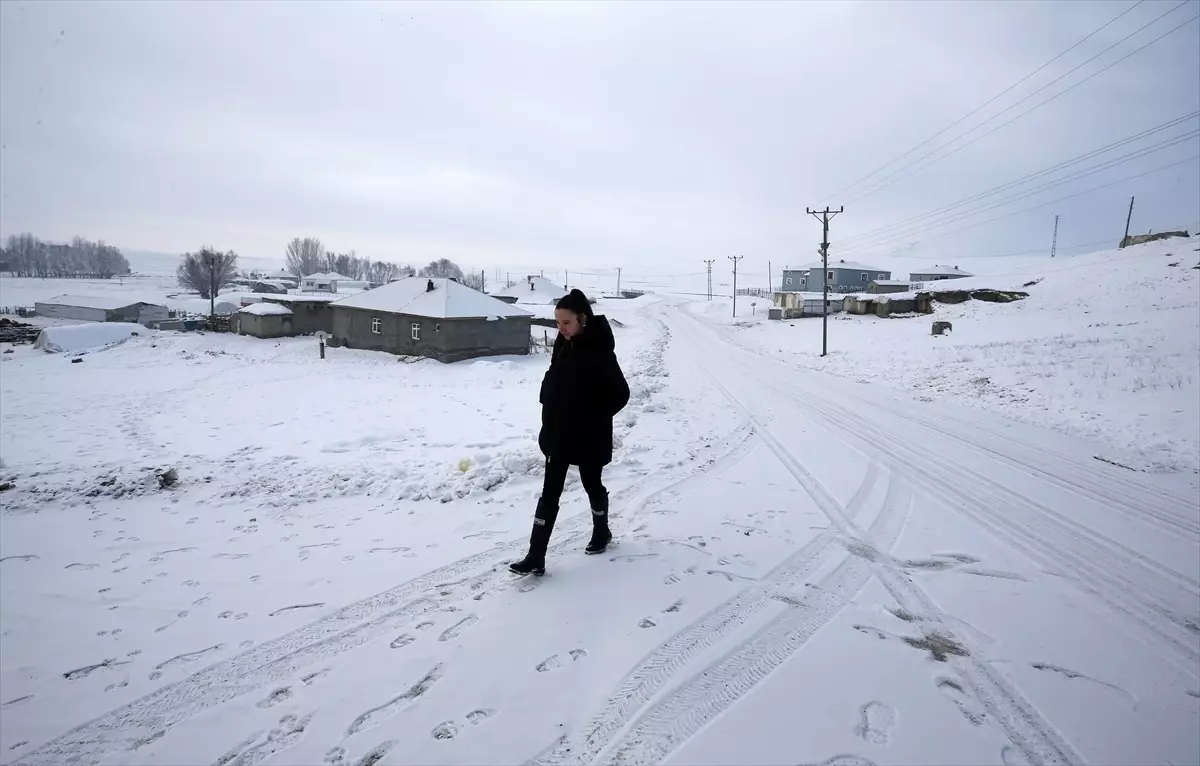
(437, 327)
(788, 280)
(376, 325)
(865, 277)
(416, 331)
(881, 276)
(829, 277)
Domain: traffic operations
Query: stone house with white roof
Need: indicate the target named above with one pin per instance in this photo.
(436, 318)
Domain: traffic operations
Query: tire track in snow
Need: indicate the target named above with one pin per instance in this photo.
(1030, 527)
(1024, 726)
(675, 719)
(349, 627)
(649, 678)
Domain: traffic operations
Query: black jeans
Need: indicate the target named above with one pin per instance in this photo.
(556, 477)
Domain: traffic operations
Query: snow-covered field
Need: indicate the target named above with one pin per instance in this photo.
(1107, 346)
(808, 568)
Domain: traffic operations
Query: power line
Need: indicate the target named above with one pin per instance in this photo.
(1029, 177)
(977, 109)
(1023, 100)
(1069, 196)
(878, 239)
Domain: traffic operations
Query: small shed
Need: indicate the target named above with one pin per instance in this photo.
(88, 308)
(263, 320)
(436, 318)
(794, 304)
(879, 286)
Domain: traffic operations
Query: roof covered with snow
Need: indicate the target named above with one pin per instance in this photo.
(890, 282)
(329, 276)
(533, 290)
(104, 303)
(944, 271)
(839, 264)
(447, 300)
(266, 309)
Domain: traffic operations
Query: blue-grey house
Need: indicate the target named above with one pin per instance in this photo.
(843, 277)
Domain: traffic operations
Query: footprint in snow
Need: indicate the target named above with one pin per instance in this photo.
(647, 623)
(445, 730)
(877, 720)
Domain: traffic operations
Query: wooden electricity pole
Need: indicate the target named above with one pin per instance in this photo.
(1128, 219)
(824, 216)
(1054, 241)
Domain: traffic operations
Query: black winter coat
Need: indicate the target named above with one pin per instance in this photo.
(582, 391)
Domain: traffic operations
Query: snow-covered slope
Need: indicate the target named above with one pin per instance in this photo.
(1107, 345)
(805, 569)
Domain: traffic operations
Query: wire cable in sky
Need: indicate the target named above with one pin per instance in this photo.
(1034, 108)
(1026, 178)
(1069, 196)
(875, 240)
(977, 109)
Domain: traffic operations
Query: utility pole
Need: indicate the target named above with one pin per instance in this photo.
(823, 216)
(1127, 221)
(709, 264)
(735, 259)
(1054, 242)
(769, 278)
(482, 281)
(618, 281)
(212, 290)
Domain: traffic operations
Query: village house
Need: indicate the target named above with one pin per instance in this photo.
(938, 272)
(326, 282)
(533, 289)
(101, 309)
(843, 277)
(436, 318)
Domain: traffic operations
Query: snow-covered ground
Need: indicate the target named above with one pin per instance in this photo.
(808, 568)
(1106, 346)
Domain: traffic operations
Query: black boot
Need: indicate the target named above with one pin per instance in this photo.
(543, 525)
(601, 536)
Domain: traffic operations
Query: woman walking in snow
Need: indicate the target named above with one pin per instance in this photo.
(582, 391)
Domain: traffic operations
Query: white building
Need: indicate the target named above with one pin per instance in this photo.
(90, 308)
(326, 282)
(938, 272)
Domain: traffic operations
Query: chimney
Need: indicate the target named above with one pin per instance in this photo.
(429, 287)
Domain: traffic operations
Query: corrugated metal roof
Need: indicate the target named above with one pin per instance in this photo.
(103, 303)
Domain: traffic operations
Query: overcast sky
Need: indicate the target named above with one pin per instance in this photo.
(579, 136)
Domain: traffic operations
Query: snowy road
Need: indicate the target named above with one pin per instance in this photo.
(839, 575)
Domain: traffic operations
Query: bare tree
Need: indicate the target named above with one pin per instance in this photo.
(444, 268)
(474, 280)
(306, 256)
(207, 271)
(29, 256)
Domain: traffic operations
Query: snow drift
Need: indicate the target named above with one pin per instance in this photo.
(83, 337)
